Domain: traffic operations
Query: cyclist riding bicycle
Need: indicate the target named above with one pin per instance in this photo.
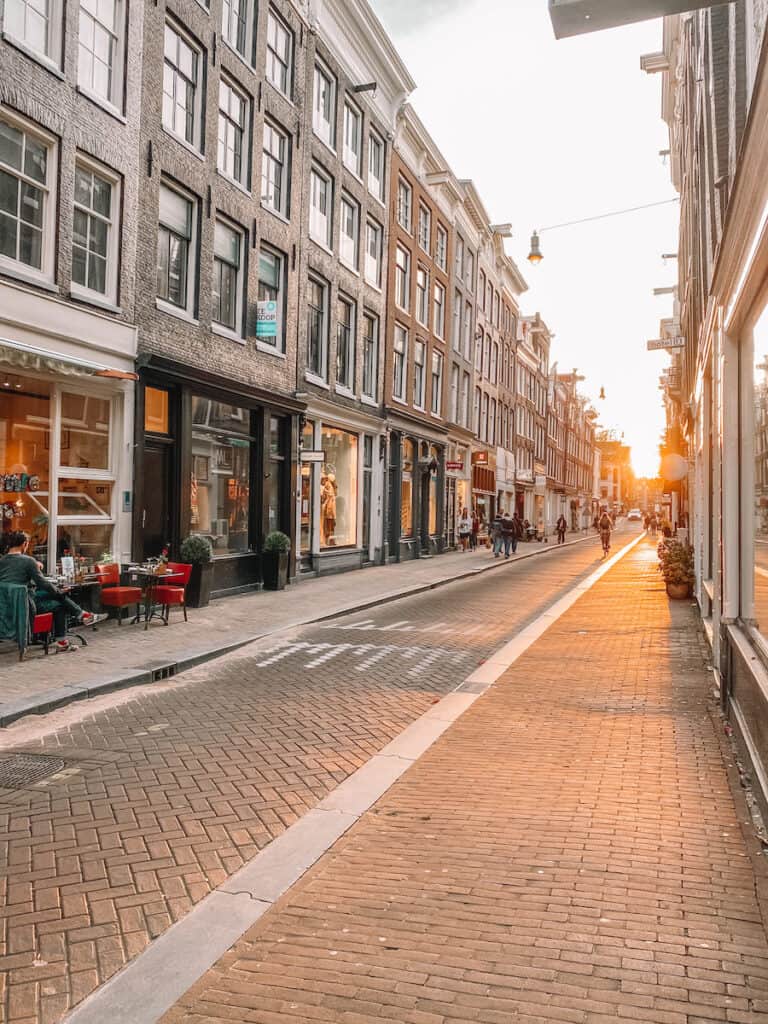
(604, 526)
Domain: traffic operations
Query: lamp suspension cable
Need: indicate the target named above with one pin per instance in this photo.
(613, 213)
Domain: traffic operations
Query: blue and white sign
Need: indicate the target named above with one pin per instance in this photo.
(266, 319)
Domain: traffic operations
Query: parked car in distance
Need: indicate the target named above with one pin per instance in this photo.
(635, 515)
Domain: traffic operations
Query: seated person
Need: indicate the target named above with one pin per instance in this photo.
(16, 566)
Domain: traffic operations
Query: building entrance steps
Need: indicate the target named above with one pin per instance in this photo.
(116, 658)
(568, 847)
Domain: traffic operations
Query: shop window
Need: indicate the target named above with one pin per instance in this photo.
(338, 488)
(220, 474)
(434, 457)
(89, 498)
(760, 485)
(367, 491)
(273, 483)
(156, 411)
(84, 434)
(406, 487)
(307, 490)
(90, 542)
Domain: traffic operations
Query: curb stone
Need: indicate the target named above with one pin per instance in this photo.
(158, 670)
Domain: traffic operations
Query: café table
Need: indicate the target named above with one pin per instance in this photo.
(150, 579)
(76, 590)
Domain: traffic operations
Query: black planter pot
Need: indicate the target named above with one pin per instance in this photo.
(199, 586)
(274, 570)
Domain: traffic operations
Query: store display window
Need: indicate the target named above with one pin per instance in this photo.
(338, 488)
(434, 457)
(273, 482)
(25, 442)
(220, 474)
(760, 476)
(307, 496)
(406, 487)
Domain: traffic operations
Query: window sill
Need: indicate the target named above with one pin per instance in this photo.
(270, 350)
(367, 400)
(321, 245)
(105, 105)
(340, 389)
(237, 55)
(174, 311)
(89, 299)
(400, 401)
(276, 213)
(374, 195)
(233, 181)
(35, 55)
(28, 277)
(376, 287)
(279, 92)
(350, 267)
(183, 143)
(225, 332)
(325, 143)
(311, 378)
(352, 172)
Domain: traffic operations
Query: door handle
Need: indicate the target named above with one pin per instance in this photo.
(143, 518)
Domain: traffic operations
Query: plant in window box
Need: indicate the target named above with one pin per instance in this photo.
(197, 552)
(274, 560)
(676, 566)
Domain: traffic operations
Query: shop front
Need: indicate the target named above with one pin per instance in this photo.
(539, 505)
(458, 484)
(416, 495)
(212, 461)
(505, 480)
(484, 488)
(340, 497)
(66, 420)
(524, 496)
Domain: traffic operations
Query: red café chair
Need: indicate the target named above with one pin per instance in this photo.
(167, 594)
(113, 595)
(41, 629)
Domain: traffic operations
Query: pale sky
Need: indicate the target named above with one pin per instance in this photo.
(550, 132)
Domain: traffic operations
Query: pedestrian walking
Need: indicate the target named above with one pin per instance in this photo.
(654, 524)
(495, 534)
(508, 534)
(605, 526)
(475, 530)
(517, 531)
(465, 529)
(561, 526)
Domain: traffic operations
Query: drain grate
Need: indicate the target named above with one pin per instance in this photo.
(18, 771)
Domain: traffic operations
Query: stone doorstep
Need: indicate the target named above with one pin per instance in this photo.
(158, 669)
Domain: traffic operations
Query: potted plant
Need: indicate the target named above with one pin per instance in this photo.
(676, 566)
(274, 560)
(197, 552)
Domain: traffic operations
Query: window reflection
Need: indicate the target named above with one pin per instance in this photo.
(760, 513)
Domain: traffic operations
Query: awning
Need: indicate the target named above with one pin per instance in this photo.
(32, 359)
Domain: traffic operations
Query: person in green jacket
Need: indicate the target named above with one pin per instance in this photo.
(16, 566)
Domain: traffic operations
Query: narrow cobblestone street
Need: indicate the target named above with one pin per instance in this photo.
(164, 795)
(569, 851)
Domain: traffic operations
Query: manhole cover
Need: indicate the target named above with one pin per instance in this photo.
(17, 771)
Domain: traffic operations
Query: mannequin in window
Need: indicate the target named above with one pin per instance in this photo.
(328, 490)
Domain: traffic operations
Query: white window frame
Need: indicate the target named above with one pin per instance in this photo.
(187, 310)
(419, 374)
(402, 279)
(218, 326)
(436, 393)
(404, 204)
(51, 56)
(458, 258)
(231, 125)
(227, 13)
(49, 194)
(349, 245)
(457, 309)
(425, 227)
(422, 295)
(321, 224)
(376, 185)
(110, 294)
(321, 373)
(370, 388)
(351, 305)
(178, 31)
(267, 160)
(282, 260)
(114, 99)
(454, 406)
(352, 158)
(439, 311)
(274, 57)
(441, 247)
(399, 362)
(373, 230)
(324, 127)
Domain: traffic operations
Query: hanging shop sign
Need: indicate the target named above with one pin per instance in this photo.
(266, 319)
(454, 465)
(313, 456)
(479, 458)
(665, 343)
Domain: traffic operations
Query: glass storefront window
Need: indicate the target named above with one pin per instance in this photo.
(273, 485)
(433, 454)
(25, 418)
(156, 418)
(84, 435)
(307, 473)
(92, 542)
(760, 500)
(91, 498)
(338, 488)
(406, 488)
(220, 475)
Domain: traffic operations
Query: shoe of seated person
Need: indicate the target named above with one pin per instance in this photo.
(63, 646)
(89, 619)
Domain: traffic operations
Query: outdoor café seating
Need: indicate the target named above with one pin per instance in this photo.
(17, 624)
(113, 594)
(168, 595)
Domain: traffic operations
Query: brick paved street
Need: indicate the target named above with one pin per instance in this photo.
(570, 850)
(164, 795)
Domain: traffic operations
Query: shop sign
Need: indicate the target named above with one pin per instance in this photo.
(266, 319)
(479, 458)
(454, 465)
(313, 456)
(665, 343)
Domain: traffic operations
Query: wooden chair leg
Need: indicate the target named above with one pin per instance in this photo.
(184, 606)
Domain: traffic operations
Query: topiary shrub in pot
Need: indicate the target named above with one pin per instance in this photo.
(676, 566)
(274, 560)
(197, 552)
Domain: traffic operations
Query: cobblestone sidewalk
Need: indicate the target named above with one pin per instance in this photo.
(570, 850)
